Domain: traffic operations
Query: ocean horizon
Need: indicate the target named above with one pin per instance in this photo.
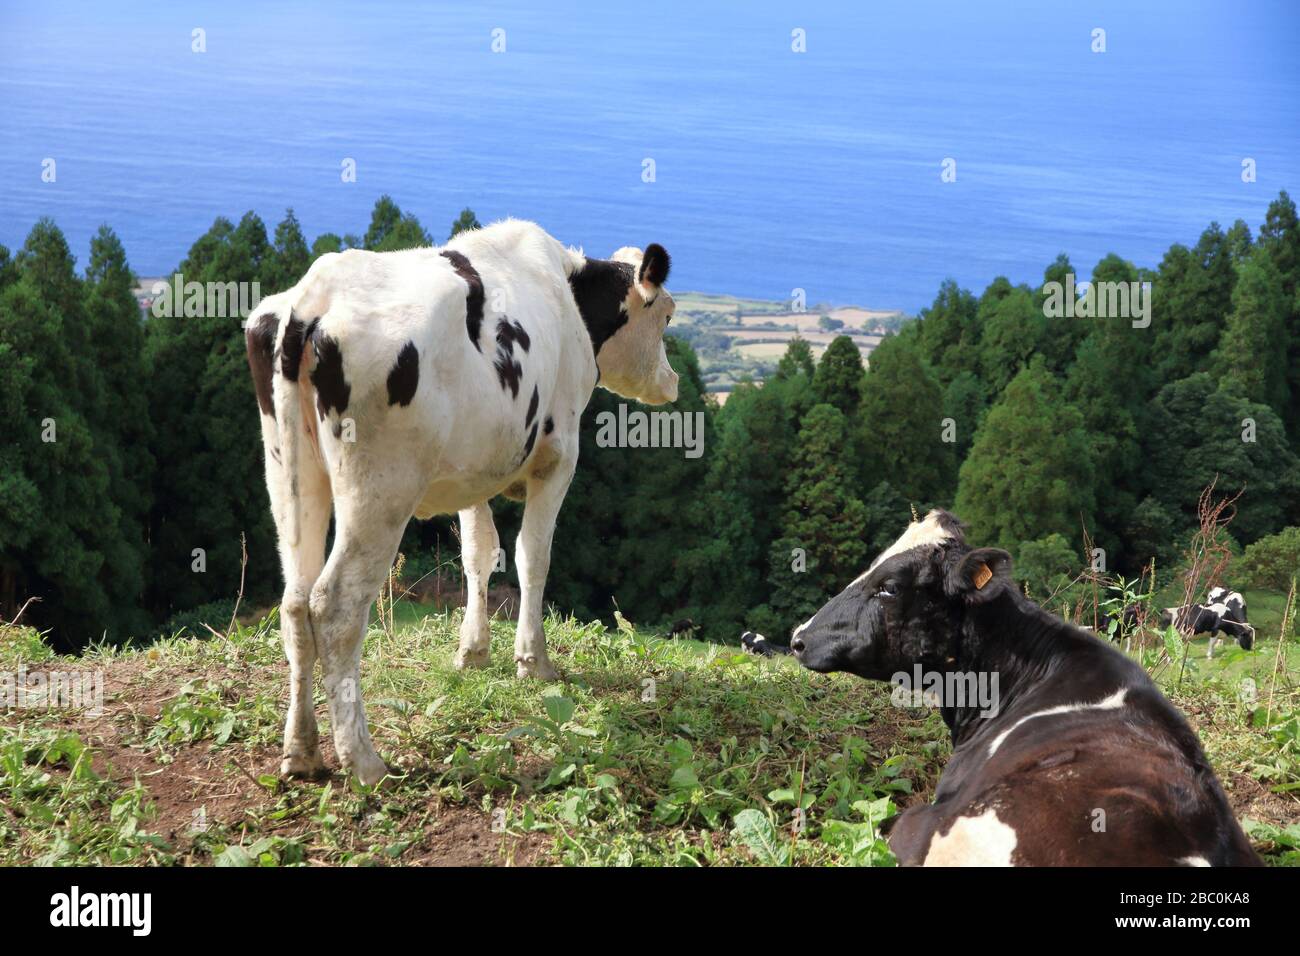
(774, 170)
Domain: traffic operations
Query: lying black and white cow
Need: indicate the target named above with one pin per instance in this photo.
(425, 382)
(752, 642)
(1193, 619)
(1082, 761)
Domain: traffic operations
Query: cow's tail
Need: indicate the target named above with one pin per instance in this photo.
(294, 397)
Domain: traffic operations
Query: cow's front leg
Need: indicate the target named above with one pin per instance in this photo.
(533, 557)
(479, 544)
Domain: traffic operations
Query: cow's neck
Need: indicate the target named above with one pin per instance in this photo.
(1012, 638)
(600, 290)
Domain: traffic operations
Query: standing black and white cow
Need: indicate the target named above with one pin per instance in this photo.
(425, 382)
(1080, 760)
(1193, 619)
(1235, 613)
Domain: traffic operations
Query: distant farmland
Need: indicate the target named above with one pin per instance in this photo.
(737, 339)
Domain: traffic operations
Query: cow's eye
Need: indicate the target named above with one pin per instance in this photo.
(888, 589)
(669, 319)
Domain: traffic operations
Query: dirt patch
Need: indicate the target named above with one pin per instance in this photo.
(462, 836)
(194, 788)
(1250, 797)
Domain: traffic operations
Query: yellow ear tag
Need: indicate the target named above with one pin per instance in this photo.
(982, 576)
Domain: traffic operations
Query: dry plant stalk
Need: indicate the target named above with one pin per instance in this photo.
(386, 600)
(21, 610)
(1206, 556)
(1288, 621)
(239, 597)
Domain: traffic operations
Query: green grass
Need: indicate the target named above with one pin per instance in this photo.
(648, 752)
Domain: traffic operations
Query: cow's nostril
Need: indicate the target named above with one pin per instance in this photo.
(796, 645)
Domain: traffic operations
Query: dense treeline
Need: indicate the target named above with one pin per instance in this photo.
(130, 464)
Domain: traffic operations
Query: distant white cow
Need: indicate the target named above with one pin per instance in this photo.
(426, 382)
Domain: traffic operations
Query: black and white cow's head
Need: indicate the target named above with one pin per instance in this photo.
(908, 606)
(627, 310)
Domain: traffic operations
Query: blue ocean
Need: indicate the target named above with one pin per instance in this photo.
(768, 146)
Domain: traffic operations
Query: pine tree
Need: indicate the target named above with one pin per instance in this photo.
(1030, 471)
(289, 256)
(464, 222)
(1280, 238)
(208, 478)
(821, 548)
(1014, 330)
(122, 426)
(1108, 384)
(58, 518)
(798, 358)
(391, 230)
(1192, 296)
(1249, 358)
(1061, 336)
(748, 465)
(901, 430)
(634, 518)
(326, 242)
(838, 378)
(949, 332)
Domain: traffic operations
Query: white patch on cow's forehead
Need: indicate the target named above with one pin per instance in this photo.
(1194, 861)
(973, 841)
(926, 532)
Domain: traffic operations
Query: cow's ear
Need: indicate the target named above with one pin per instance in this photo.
(654, 267)
(980, 574)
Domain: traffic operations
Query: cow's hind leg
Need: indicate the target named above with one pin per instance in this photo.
(479, 548)
(368, 530)
(301, 562)
(533, 557)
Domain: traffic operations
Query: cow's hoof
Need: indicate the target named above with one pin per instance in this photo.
(532, 667)
(473, 657)
(369, 769)
(303, 766)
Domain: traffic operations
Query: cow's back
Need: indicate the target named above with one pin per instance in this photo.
(1121, 786)
(441, 350)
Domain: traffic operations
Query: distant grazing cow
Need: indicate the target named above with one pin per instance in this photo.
(425, 382)
(683, 628)
(754, 643)
(1193, 619)
(1232, 600)
(1236, 613)
(1081, 762)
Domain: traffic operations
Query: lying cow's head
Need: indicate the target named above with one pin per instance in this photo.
(627, 309)
(907, 608)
